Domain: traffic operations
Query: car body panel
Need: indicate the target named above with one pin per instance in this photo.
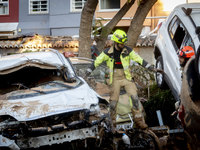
(167, 48)
(189, 111)
(49, 104)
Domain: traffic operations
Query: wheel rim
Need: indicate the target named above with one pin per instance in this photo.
(144, 140)
(159, 76)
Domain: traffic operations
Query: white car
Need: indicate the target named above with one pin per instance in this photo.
(43, 102)
(181, 28)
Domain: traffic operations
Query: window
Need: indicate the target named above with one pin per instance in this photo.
(4, 7)
(77, 5)
(109, 4)
(39, 6)
(179, 35)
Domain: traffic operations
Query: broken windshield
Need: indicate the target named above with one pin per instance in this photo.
(33, 79)
(45, 88)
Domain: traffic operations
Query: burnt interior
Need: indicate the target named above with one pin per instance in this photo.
(29, 77)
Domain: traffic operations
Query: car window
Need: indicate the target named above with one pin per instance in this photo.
(187, 42)
(172, 27)
(179, 35)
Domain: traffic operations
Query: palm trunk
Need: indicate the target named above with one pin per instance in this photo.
(106, 30)
(85, 28)
(137, 22)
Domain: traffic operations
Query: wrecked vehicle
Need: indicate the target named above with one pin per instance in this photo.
(181, 28)
(43, 102)
(189, 111)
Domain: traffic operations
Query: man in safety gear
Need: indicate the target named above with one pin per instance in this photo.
(118, 59)
(184, 55)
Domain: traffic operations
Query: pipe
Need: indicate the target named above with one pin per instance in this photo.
(59, 127)
(39, 130)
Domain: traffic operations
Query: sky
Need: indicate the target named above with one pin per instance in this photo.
(170, 4)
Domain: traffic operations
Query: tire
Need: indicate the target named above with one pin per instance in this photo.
(145, 140)
(160, 77)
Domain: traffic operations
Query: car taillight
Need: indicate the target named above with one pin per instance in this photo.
(68, 54)
(181, 113)
(160, 24)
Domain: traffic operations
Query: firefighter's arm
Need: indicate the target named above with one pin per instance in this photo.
(143, 63)
(101, 58)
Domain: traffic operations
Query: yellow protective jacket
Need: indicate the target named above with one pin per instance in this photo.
(126, 55)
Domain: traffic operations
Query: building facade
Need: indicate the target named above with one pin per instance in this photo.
(9, 17)
(45, 17)
(62, 17)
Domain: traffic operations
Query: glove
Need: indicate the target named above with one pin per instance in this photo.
(151, 68)
(87, 73)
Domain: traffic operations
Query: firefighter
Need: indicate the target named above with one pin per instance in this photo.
(184, 55)
(118, 59)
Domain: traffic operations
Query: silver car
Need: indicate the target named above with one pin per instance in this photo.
(181, 28)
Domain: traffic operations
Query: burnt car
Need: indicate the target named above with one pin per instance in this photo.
(43, 102)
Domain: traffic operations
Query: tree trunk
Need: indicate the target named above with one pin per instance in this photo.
(106, 30)
(85, 28)
(136, 26)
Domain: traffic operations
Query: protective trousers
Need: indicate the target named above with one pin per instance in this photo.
(119, 80)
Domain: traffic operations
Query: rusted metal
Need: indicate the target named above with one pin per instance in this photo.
(57, 138)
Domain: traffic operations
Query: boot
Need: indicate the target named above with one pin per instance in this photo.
(139, 119)
(113, 115)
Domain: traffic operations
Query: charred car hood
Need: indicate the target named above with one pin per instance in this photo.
(49, 104)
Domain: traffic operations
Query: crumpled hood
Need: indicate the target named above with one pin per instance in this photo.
(52, 58)
(49, 104)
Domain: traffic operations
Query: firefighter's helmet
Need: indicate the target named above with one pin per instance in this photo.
(186, 52)
(119, 36)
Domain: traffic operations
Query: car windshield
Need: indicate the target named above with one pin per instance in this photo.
(35, 79)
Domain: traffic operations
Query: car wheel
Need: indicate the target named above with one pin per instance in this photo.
(160, 77)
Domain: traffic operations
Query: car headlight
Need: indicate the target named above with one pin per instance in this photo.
(95, 109)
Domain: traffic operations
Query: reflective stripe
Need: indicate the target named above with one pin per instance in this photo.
(147, 66)
(118, 63)
(125, 68)
(110, 70)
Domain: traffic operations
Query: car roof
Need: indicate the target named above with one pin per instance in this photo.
(78, 60)
(188, 5)
(10, 61)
